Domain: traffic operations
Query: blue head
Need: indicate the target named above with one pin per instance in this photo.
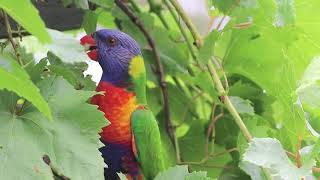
(113, 50)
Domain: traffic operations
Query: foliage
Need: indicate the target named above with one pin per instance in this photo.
(266, 58)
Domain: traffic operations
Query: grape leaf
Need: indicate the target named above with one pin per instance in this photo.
(285, 14)
(181, 173)
(271, 57)
(89, 22)
(79, 3)
(27, 16)
(206, 51)
(268, 153)
(193, 144)
(177, 173)
(200, 175)
(14, 78)
(241, 105)
(308, 95)
(66, 47)
(71, 141)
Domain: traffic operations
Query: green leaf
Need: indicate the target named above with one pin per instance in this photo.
(309, 96)
(105, 18)
(315, 149)
(270, 57)
(253, 123)
(73, 73)
(79, 3)
(14, 78)
(285, 14)
(204, 81)
(71, 141)
(27, 16)
(268, 153)
(193, 150)
(206, 51)
(66, 47)
(177, 173)
(224, 5)
(181, 173)
(241, 105)
(103, 3)
(254, 171)
(89, 22)
(200, 175)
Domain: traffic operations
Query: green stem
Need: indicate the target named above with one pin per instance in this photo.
(163, 20)
(196, 35)
(216, 79)
(135, 5)
(227, 102)
(183, 31)
(9, 32)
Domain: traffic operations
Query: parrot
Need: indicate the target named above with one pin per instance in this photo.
(132, 141)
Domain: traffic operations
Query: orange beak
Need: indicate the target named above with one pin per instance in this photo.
(90, 46)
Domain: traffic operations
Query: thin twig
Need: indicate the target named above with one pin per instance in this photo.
(182, 29)
(228, 103)
(9, 32)
(196, 36)
(224, 152)
(216, 79)
(316, 169)
(160, 69)
(207, 157)
(163, 19)
(290, 154)
(298, 156)
(135, 5)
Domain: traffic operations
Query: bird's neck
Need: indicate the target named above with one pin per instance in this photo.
(116, 79)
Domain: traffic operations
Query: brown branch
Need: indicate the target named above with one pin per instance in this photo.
(205, 165)
(160, 69)
(298, 156)
(290, 154)
(316, 169)
(9, 32)
(223, 152)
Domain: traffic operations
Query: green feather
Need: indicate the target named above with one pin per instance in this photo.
(138, 77)
(148, 142)
(150, 152)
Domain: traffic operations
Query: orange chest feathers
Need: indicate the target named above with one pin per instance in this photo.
(117, 105)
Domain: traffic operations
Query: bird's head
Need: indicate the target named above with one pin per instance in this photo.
(113, 50)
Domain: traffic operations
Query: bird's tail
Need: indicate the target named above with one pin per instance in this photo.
(139, 177)
(110, 174)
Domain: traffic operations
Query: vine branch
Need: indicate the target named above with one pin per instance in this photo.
(160, 69)
(9, 32)
(216, 78)
(182, 30)
(196, 36)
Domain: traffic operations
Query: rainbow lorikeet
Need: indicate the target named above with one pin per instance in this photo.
(132, 140)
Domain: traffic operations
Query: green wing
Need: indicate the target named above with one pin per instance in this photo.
(148, 142)
(144, 125)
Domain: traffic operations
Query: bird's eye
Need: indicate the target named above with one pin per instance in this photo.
(111, 41)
